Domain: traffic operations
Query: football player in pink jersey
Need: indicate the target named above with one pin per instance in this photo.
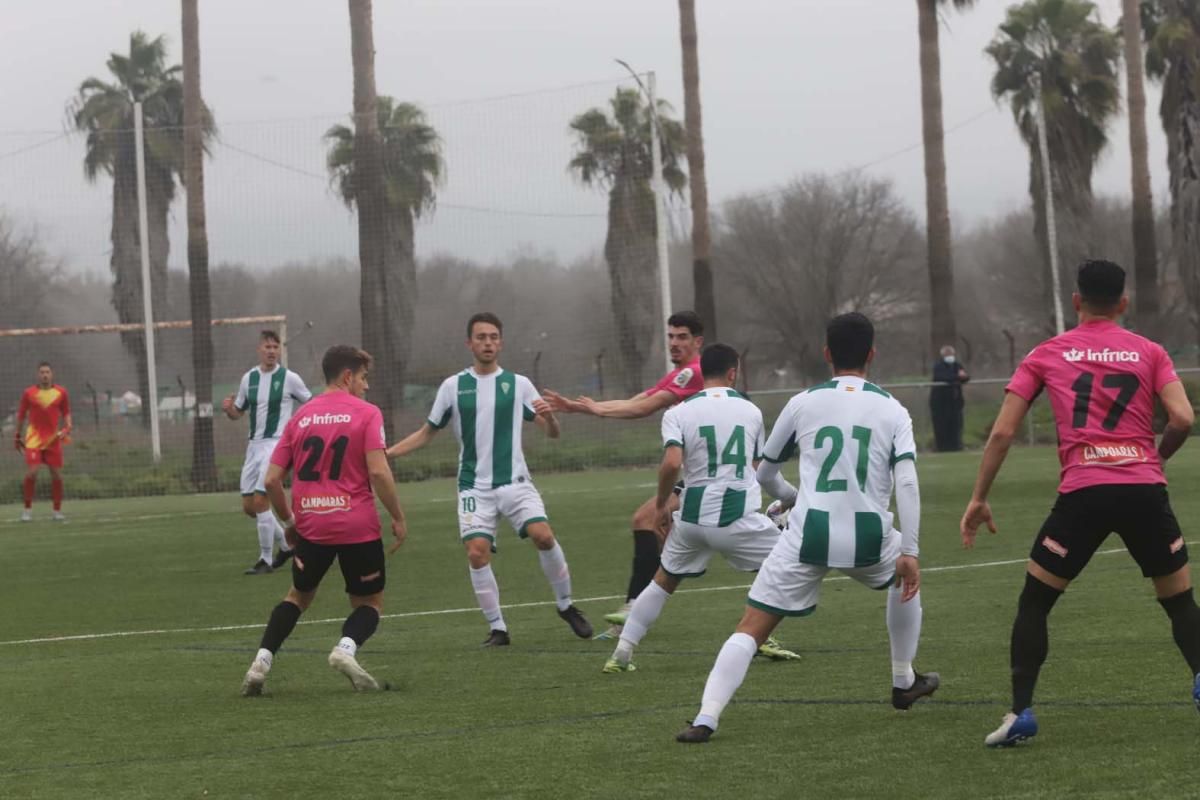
(685, 340)
(336, 444)
(1102, 381)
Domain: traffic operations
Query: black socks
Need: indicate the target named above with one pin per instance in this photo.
(280, 625)
(1030, 640)
(1185, 625)
(361, 623)
(645, 562)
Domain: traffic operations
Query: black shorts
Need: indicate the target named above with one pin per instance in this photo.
(362, 566)
(1081, 520)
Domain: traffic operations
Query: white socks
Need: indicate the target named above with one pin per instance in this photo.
(554, 567)
(265, 657)
(646, 608)
(266, 534)
(487, 592)
(904, 632)
(280, 539)
(347, 646)
(726, 676)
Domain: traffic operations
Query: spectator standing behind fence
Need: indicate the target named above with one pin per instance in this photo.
(946, 401)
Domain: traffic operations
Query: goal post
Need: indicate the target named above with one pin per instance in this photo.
(111, 448)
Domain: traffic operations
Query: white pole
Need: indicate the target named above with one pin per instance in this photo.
(147, 301)
(1048, 184)
(283, 339)
(660, 215)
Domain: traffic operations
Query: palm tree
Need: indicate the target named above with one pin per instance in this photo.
(412, 171)
(1172, 32)
(702, 275)
(387, 168)
(104, 111)
(1145, 249)
(1063, 43)
(204, 465)
(613, 153)
(942, 329)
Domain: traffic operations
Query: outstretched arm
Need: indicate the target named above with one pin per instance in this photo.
(634, 408)
(414, 441)
(1004, 431)
(545, 418)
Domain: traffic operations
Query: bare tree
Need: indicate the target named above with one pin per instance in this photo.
(820, 247)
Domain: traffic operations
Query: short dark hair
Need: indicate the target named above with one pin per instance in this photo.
(717, 359)
(484, 316)
(686, 319)
(1101, 283)
(849, 338)
(269, 336)
(44, 364)
(342, 357)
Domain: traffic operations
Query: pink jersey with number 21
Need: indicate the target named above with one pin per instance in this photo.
(326, 445)
(1102, 381)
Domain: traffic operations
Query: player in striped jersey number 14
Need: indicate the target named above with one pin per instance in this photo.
(486, 407)
(685, 339)
(715, 438)
(267, 394)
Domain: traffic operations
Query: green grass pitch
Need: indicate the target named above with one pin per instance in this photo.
(156, 713)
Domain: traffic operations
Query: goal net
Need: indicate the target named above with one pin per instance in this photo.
(110, 450)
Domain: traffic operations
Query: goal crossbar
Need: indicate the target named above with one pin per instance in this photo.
(137, 327)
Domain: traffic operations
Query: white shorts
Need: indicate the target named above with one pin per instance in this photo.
(254, 470)
(745, 545)
(479, 510)
(787, 587)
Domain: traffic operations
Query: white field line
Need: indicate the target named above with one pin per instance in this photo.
(449, 498)
(471, 610)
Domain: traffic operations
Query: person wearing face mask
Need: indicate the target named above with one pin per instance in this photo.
(946, 401)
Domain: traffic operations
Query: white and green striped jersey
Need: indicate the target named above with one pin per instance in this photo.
(850, 433)
(268, 398)
(721, 433)
(487, 412)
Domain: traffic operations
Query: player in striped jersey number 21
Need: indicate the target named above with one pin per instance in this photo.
(855, 443)
(486, 407)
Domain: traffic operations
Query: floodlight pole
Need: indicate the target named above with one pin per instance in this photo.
(147, 300)
(1048, 185)
(658, 186)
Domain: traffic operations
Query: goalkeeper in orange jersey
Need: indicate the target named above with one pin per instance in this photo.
(45, 404)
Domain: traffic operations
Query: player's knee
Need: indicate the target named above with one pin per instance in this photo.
(668, 583)
(260, 503)
(541, 535)
(302, 600)
(479, 553)
(643, 519)
(757, 624)
(374, 601)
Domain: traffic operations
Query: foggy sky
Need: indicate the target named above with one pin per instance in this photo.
(788, 86)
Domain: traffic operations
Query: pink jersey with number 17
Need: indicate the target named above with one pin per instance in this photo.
(1102, 381)
(326, 445)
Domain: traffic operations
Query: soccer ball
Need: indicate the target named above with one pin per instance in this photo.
(778, 514)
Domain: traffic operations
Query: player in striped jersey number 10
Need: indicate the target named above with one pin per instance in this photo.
(486, 407)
